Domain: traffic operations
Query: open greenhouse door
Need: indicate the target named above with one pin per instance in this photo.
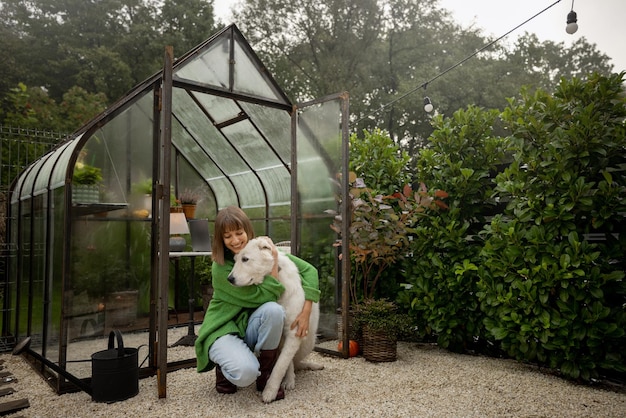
(320, 138)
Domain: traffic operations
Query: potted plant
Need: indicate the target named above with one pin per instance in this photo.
(85, 183)
(379, 323)
(379, 234)
(379, 231)
(175, 205)
(188, 199)
(141, 202)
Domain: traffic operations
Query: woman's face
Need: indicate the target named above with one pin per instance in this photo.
(235, 240)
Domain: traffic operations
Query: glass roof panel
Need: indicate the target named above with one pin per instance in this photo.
(220, 109)
(196, 133)
(249, 79)
(209, 67)
(41, 184)
(29, 179)
(278, 185)
(60, 169)
(251, 193)
(58, 172)
(198, 157)
(225, 194)
(275, 125)
(252, 147)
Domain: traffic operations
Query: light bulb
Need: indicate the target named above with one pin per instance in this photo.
(428, 105)
(572, 26)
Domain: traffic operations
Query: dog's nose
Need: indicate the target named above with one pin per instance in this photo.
(231, 279)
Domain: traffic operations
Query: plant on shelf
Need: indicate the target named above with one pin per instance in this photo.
(142, 187)
(86, 181)
(188, 199)
(141, 198)
(175, 205)
(86, 174)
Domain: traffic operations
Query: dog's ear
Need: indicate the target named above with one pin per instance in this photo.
(264, 243)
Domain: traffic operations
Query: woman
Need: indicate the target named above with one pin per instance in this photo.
(242, 323)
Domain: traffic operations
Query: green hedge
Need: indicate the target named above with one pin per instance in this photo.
(528, 281)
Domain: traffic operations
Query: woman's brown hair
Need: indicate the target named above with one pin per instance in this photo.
(231, 218)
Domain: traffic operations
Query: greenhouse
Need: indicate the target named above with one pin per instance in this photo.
(91, 221)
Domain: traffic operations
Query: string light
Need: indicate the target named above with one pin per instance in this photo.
(428, 105)
(444, 72)
(572, 26)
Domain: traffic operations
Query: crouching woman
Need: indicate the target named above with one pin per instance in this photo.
(242, 327)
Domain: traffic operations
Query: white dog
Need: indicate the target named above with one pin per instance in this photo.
(252, 264)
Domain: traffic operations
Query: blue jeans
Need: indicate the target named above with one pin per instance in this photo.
(237, 357)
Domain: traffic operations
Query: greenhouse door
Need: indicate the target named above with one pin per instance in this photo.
(320, 137)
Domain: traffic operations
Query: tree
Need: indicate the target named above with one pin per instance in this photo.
(100, 46)
(33, 108)
(389, 54)
(186, 23)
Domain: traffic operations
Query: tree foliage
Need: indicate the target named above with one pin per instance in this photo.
(384, 53)
(387, 54)
(100, 46)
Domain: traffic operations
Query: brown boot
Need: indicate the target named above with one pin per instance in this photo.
(267, 360)
(223, 385)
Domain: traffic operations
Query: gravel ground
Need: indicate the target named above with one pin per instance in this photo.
(425, 381)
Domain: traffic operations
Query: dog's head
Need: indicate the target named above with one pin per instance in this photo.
(252, 263)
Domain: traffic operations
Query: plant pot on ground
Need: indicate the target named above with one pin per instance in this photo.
(379, 323)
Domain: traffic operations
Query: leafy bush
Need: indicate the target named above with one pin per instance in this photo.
(379, 162)
(441, 275)
(550, 295)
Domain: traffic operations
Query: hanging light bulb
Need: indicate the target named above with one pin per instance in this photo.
(572, 26)
(428, 105)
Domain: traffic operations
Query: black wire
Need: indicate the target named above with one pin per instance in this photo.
(478, 51)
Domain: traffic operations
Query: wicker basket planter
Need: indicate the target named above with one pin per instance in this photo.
(379, 346)
(377, 319)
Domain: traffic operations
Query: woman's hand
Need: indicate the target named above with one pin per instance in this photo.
(302, 321)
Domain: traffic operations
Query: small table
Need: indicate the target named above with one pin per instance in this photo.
(190, 338)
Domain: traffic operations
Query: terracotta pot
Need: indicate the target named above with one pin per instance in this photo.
(189, 210)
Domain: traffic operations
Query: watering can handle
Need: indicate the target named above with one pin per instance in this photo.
(120, 343)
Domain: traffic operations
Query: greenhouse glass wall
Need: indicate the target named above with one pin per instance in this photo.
(90, 220)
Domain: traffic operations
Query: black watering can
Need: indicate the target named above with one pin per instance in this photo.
(114, 371)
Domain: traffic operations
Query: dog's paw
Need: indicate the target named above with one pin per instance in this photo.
(308, 365)
(269, 394)
(289, 382)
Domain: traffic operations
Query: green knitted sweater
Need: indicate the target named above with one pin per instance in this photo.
(231, 306)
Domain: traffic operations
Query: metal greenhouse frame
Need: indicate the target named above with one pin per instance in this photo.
(89, 221)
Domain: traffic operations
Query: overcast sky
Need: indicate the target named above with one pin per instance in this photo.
(601, 22)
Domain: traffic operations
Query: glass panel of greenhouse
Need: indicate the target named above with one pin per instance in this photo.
(88, 219)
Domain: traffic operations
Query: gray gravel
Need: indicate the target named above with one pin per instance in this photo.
(426, 381)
